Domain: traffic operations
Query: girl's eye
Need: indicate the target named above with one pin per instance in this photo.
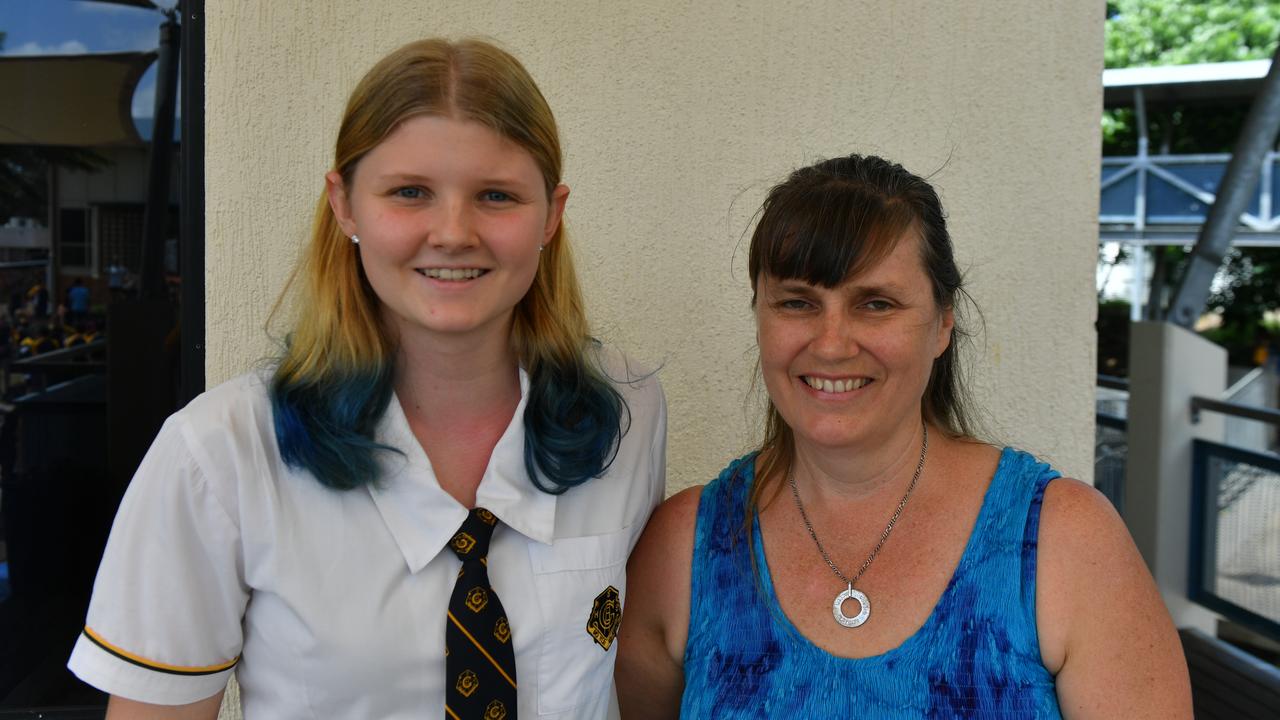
(495, 196)
(409, 193)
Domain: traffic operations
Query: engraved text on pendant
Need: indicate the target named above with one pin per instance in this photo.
(864, 606)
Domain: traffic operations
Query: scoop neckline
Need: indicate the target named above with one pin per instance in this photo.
(779, 616)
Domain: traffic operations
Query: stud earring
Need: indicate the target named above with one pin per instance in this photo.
(355, 239)
(541, 247)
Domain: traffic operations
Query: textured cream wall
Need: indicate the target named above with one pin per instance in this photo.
(676, 118)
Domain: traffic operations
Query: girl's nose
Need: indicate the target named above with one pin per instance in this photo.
(455, 226)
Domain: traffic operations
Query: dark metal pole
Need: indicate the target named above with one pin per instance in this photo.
(1232, 198)
(156, 216)
(191, 232)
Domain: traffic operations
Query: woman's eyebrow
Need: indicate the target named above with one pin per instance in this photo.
(793, 285)
(875, 289)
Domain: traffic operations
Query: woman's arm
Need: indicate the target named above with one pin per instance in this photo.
(1104, 630)
(122, 709)
(655, 620)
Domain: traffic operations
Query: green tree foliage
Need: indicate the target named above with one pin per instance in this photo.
(1178, 32)
(1251, 288)
(24, 173)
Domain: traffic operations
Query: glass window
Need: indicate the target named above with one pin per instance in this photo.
(73, 238)
(100, 225)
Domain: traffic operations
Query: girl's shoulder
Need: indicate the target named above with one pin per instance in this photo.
(237, 410)
(224, 436)
(637, 383)
(630, 376)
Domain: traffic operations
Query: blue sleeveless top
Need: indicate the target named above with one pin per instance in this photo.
(976, 656)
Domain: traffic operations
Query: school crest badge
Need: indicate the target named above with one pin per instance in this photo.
(606, 615)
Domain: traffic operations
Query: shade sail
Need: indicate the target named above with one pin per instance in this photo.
(136, 3)
(77, 100)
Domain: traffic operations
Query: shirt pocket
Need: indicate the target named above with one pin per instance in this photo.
(580, 583)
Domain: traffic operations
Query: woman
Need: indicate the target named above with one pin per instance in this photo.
(872, 558)
(426, 508)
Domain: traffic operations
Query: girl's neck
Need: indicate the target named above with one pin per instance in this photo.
(459, 395)
(461, 379)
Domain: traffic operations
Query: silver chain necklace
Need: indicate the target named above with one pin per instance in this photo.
(849, 593)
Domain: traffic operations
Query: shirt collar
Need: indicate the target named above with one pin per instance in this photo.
(422, 517)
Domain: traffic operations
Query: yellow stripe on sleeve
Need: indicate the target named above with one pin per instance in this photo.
(152, 664)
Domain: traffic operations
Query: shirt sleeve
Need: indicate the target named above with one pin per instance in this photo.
(658, 458)
(651, 408)
(164, 623)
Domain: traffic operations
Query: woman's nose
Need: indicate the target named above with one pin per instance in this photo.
(836, 337)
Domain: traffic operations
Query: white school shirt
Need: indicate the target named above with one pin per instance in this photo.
(331, 604)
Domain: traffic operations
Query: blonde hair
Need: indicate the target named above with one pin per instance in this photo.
(338, 337)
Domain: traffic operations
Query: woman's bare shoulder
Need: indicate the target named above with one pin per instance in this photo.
(668, 536)
(1104, 630)
(1076, 512)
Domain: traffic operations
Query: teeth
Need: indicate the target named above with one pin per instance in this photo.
(453, 273)
(836, 386)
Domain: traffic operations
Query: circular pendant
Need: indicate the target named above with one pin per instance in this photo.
(864, 610)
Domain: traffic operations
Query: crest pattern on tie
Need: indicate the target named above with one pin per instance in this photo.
(480, 662)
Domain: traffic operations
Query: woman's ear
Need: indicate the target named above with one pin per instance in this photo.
(946, 323)
(336, 188)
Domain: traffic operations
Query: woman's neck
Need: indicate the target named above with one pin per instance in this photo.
(860, 472)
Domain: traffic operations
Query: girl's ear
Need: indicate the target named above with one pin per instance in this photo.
(339, 201)
(555, 213)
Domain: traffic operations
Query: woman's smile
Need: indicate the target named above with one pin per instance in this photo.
(837, 386)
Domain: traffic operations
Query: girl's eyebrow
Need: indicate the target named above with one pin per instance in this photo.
(403, 177)
(411, 177)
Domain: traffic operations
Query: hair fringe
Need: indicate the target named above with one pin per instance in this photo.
(831, 220)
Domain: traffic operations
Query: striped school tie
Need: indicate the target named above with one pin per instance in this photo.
(480, 664)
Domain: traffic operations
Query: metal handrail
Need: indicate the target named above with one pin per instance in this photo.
(1143, 165)
(1113, 382)
(60, 355)
(1252, 412)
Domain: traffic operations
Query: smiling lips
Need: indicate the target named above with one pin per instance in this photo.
(835, 386)
(452, 274)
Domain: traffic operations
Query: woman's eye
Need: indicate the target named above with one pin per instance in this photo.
(878, 305)
(793, 304)
(409, 193)
(495, 196)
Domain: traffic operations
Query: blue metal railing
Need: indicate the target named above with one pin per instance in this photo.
(1235, 535)
(1111, 439)
(1145, 190)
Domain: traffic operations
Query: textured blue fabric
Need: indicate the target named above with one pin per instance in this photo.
(976, 656)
